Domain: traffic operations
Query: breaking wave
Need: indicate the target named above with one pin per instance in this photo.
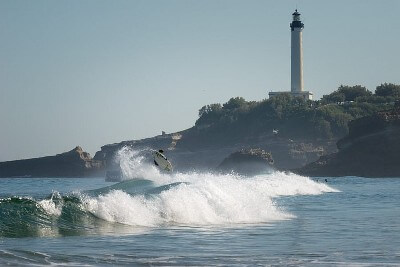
(135, 163)
(157, 199)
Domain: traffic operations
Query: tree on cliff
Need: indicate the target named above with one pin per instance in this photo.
(295, 117)
(335, 97)
(388, 89)
(212, 108)
(209, 114)
(346, 93)
(235, 103)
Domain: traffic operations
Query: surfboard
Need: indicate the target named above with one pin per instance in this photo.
(161, 161)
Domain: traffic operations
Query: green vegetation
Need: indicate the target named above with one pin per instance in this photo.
(295, 117)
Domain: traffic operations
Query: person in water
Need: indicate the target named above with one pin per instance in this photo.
(161, 152)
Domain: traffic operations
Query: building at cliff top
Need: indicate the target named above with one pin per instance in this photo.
(296, 60)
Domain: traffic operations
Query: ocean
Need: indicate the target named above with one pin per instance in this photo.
(200, 219)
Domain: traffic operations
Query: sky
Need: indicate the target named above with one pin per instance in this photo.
(96, 72)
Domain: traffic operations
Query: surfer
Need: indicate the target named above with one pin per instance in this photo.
(161, 161)
(161, 152)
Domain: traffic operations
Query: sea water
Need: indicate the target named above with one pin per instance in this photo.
(199, 219)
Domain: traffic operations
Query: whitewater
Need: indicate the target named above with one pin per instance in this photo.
(196, 218)
(195, 198)
(150, 198)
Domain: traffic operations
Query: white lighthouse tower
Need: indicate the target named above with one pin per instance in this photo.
(297, 85)
(296, 53)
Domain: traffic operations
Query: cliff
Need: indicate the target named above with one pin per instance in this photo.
(191, 149)
(74, 163)
(195, 149)
(371, 149)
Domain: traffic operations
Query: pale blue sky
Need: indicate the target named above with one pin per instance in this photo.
(91, 73)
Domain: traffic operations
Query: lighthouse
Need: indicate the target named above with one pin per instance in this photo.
(296, 60)
(296, 28)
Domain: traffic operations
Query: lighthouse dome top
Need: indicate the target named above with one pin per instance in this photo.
(296, 23)
(296, 15)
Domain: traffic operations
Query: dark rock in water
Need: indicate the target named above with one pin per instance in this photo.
(371, 149)
(247, 162)
(74, 163)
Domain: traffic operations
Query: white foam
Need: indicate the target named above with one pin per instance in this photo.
(133, 163)
(49, 205)
(219, 201)
(118, 206)
(206, 199)
(202, 198)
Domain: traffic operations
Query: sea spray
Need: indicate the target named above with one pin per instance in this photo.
(135, 163)
(52, 206)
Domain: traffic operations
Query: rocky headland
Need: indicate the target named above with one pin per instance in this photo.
(371, 149)
(187, 150)
(74, 163)
(191, 150)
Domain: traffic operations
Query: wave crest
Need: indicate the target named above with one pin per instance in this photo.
(157, 199)
(205, 199)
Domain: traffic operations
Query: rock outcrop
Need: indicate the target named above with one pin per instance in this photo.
(371, 149)
(247, 162)
(193, 150)
(74, 163)
(187, 150)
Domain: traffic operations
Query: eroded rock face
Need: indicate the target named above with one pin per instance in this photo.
(189, 151)
(372, 149)
(190, 155)
(74, 163)
(247, 162)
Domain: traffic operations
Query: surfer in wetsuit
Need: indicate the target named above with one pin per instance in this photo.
(161, 152)
(161, 161)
